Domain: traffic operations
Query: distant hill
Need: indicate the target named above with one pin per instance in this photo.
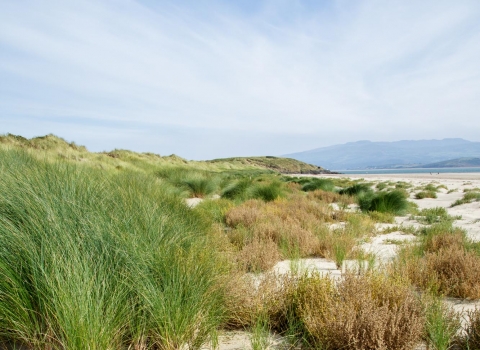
(367, 154)
(52, 147)
(454, 163)
(282, 165)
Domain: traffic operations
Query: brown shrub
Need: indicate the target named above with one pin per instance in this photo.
(246, 214)
(258, 255)
(249, 297)
(436, 243)
(450, 271)
(325, 196)
(362, 312)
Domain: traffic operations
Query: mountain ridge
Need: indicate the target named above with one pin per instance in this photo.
(365, 154)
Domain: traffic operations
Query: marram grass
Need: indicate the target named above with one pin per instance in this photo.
(94, 260)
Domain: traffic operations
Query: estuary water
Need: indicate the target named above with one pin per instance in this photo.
(412, 171)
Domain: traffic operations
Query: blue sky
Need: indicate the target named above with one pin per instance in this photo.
(208, 79)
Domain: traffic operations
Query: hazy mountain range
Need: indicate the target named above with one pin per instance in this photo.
(407, 153)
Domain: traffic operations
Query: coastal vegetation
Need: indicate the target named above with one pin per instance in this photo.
(101, 251)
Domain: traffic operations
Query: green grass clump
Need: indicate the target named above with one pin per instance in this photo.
(199, 186)
(318, 184)
(100, 260)
(237, 189)
(431, 188)
(267, 192)
(425, 194)
(394, 202)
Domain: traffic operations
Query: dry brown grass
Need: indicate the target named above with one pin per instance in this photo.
(249, 298)
(450, 271)
(446, 266)
(331, 197)
(258, 255)
(362, 312)
(297, 226)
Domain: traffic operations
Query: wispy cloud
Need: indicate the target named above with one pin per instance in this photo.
(311, 73)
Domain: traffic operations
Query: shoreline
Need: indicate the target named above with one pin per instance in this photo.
(422, 176)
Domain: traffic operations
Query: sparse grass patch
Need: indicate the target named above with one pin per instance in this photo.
(381, 186)
(386, 217)
(434, 215)
(468, 197)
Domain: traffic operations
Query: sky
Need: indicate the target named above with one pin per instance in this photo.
(211, 79)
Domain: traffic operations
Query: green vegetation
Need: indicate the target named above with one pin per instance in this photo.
(394, 202)
(468, 197)
(100, 251)
(282, 165)
(425, 194)
(95, 260)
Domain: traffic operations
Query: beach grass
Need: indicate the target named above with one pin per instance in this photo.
(91, 259)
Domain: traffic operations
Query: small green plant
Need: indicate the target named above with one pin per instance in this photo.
(441, 324)
(260, 337)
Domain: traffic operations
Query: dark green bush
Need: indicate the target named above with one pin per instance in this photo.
(394, 202)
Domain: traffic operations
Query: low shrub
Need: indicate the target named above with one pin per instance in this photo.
(258, 255)
(249, 298)
(369, 311)
(445, 262)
